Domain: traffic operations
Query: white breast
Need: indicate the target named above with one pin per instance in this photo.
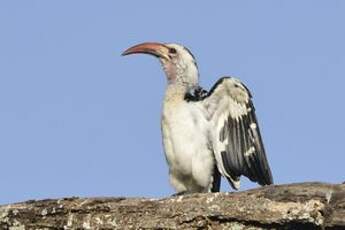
(185, 139)
(179, 130)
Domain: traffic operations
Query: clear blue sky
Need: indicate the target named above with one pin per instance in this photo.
(77, 119)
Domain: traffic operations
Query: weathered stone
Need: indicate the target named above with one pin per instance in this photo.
(294, 206)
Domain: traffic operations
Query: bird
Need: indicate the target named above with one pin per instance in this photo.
(206, 135)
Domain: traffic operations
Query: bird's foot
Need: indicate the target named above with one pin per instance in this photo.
(181, 193)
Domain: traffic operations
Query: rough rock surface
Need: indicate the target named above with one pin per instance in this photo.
(294, 206)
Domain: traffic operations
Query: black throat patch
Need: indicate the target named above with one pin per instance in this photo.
(195, 94)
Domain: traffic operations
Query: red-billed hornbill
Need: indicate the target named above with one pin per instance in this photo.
(206, 134)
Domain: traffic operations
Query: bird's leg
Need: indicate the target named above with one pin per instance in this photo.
(181, 193)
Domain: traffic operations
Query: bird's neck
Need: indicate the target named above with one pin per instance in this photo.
(183, 80)
(175, 92)
(180, 82)
(178, 90)
(181, 74)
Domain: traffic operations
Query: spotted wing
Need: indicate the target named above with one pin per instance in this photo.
(236, 138)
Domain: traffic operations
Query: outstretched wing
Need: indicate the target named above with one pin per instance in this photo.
(236, 138)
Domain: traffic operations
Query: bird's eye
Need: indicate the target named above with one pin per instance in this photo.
(172, 50)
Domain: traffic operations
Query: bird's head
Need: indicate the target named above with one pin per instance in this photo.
(178, 62)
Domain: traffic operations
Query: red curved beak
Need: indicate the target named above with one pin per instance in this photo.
(154, 48)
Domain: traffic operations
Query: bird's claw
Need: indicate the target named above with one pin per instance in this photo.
(179, 193)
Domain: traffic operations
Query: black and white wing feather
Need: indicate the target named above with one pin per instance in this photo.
(236, 138)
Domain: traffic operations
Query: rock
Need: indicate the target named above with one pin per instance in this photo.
(293, 206)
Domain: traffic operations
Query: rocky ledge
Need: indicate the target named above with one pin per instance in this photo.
(292, 206)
